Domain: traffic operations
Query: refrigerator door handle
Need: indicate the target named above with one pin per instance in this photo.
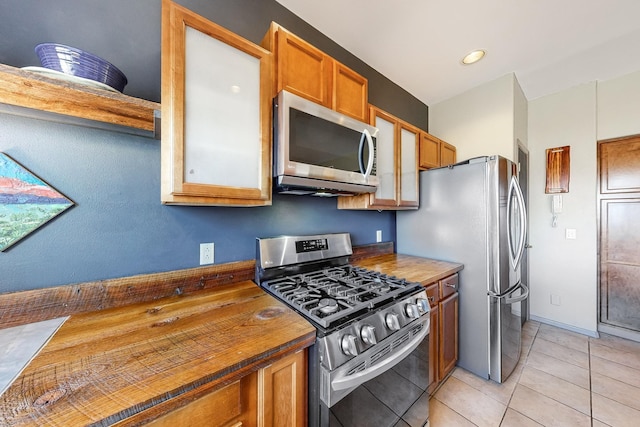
(523, 296)
(516, 252)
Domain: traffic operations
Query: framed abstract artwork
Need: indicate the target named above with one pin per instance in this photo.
(26, 202)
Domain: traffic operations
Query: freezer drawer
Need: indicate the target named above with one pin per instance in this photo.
(505, 332)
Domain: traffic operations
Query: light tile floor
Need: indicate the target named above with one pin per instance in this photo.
(563, 379)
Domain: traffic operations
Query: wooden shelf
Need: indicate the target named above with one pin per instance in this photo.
(27, 89)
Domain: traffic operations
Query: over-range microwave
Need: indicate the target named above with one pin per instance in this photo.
(319, 151)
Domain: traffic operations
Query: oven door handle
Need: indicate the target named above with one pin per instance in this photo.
(354, 380)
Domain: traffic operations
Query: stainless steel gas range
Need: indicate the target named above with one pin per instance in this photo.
(369, 364)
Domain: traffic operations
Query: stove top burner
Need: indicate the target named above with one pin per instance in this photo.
(333, 295)
(327, 305)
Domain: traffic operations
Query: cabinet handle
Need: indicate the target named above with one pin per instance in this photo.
(451, 285)
(432, 299)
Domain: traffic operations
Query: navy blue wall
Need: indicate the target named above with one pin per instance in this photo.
(119, 227)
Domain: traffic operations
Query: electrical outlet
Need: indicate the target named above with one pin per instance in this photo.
(378, 236)
(206, 253)
(570, 233)
(555, 300)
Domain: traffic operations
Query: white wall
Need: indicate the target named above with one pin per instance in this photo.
(560, 267)
(619, 107)
(492, 117)
(478, 122)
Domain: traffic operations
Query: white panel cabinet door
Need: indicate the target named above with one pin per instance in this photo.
(216, 147)
(386, 152)
(409, 145)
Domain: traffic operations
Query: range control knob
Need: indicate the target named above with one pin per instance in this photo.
(423, 305)
(411, 310)
(391, 319)
(348, 345)
(368, 334)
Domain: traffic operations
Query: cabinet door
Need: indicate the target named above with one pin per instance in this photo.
(303, 69)
(350, 92)
(429, 151)
(448, 334)
(408, 174)
(282, 392)
(386, 194)
(222, 408)
(447, 154)
(215, 114)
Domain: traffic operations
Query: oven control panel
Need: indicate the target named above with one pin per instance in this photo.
(311, 245)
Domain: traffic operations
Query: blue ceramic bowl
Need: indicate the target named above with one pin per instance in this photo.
(76, 62)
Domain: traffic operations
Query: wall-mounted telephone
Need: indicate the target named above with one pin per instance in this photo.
(556, 205)
(556, 208)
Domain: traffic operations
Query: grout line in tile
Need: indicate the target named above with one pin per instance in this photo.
(590, 385)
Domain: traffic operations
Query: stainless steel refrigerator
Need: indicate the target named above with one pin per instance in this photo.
(473, 212)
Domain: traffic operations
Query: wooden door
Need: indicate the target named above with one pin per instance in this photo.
(619, 197)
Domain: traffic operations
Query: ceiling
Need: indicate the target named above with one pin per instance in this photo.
(550, 45)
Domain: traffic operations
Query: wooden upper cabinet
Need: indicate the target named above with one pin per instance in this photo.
(429, 151)
(306, 71)
(435, 152)
(216, 133)
(350, 92)
(409, 144)
(302, 69)
(396, 169)
(447, 154)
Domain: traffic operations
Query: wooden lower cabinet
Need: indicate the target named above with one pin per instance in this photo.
(443, 335)
(274, 396)
(282, 388)
(448, 335)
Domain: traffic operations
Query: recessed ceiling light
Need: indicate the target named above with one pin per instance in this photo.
(473, 56)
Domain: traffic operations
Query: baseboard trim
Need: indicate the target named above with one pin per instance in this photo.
(582, 331)
(619, 332)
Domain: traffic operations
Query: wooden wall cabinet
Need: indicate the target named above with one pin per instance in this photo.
(435, 152)
(303, 69)
(447, 154)
(397, 169)
(273, 396)
(443, 336)
(216, 106)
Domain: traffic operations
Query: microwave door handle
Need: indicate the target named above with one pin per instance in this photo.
(360, 152)
(367, 135)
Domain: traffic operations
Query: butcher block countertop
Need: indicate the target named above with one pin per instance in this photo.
(414, 269)
(104, 366)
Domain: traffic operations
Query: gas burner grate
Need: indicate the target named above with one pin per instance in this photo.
(334, 294)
